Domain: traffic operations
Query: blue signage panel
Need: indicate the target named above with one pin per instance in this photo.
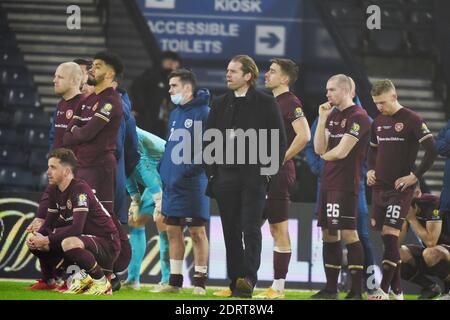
(220, 29)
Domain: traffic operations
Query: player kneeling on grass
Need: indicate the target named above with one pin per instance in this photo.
(432, 257)
(91, 241)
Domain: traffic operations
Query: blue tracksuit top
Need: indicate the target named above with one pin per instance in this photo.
(184, 182)
(443, 147)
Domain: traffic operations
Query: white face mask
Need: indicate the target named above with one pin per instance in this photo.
(177, 98)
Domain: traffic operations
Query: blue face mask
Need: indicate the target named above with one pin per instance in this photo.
(176, 98)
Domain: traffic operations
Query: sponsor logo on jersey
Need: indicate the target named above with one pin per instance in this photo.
(355, 129)
(82, 200)
(378, 129)
(69, 114)
(188, 123)
(399, 126)
(425, 129)
(106, 109)
(69, 204)
(298, 112)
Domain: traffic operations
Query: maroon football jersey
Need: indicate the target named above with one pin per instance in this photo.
(78, 206)
(98, 120)
(428, 206)
(397, 139)
(64, 113)
(291, 109)
(344, 174)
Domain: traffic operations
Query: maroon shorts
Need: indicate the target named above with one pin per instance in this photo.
(279, 198)
(417, 253)
(390, 207)
(184, 221)
(102, 181)
(338, 210)
(105, 250)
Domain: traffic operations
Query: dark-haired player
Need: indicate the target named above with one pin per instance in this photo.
(432, 257)
(91, 240)
(396, 135)
(283, 73)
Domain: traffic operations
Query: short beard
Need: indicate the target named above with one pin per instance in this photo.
(91, 82)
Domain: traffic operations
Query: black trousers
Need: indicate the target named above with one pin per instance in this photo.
(241, 205)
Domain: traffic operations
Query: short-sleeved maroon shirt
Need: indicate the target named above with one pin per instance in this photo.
(397, 139)
(344, 174)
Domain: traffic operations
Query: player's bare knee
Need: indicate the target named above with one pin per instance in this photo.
(71, 243)
(432, 256)
(197, 234)
(405, 254)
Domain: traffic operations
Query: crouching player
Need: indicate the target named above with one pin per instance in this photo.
(432, 258)
(91, 241)
(151, 149)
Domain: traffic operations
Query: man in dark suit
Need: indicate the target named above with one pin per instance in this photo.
(251, 125)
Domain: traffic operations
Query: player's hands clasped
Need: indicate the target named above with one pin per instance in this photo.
(405, 182)
(371, 178)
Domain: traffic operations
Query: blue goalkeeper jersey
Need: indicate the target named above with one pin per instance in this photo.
(151, 149)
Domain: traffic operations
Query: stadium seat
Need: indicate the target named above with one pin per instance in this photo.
(31, 119)
(10, 57)
(37, 137)
(422, 18)
(15, 76)
(38, 160)
(13, 156)
(421, 41)
(16, 179)
(5, 119)
(388, 40)
(17, 97)
(9, 137)
(353, 36)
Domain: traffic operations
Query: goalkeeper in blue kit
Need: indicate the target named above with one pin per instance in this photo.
(142, 207)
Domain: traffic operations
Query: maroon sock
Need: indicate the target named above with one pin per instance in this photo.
(176, 280)
(332, 259)
(199, 280)
(281, 264)
(86, 261)
(355, 258)
(441, 270)
(411, 273)
(396, 285)
(390, 259)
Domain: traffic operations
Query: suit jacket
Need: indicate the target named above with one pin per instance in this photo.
(261, 111)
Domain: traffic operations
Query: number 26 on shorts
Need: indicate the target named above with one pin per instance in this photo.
(333, 210)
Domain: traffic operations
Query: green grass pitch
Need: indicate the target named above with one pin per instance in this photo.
(11, 290)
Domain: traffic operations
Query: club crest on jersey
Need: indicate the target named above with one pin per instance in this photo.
(399, 126)
(106, 109)
(69, 114)
(69, 204)
(425, 129)
(343, 123)
(188, 123)
(298, 112)
(82, 200)
(355, 129)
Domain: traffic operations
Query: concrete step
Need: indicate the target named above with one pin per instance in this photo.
(58, 19)
(401, 82)
(417, 104)
(46, 90)
(415, 93)
(60, 39)
(432, 115)
(24, 27)
(57, 8)
(434, 174)
(67, 50)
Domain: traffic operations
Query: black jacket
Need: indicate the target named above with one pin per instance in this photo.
(260, 112)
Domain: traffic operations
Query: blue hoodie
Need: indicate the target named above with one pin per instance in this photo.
(184, 184)
(443, 147)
